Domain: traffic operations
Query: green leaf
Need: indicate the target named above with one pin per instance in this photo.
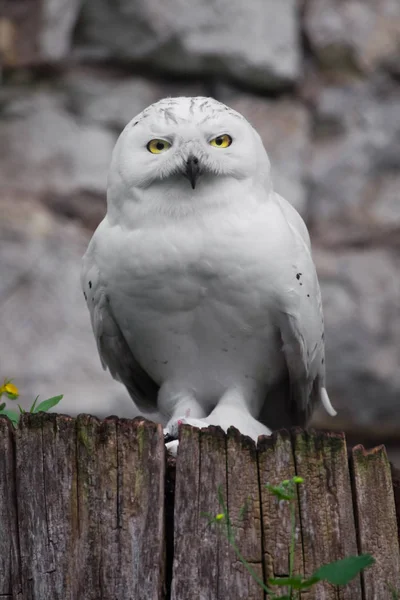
(32, 409)
(295, 581)
(343, 571)
(280, 492)
(307, 583)
(47, 404)
(244, 509)
(12, 415)
(2, 406)
(21, 410)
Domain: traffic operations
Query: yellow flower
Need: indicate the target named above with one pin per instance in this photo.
(9, 389)
(219, 517)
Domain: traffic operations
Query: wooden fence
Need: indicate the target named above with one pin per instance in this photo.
(94, 510)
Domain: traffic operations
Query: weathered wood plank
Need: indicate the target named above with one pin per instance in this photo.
(205, 565)
(213, 547)
(38, 566)
(376, 521)
(141, 517)
(276, 464)
(91, 503)
(60, 488)
(10, 585)
(243, 503)
(90, 508)
(186, 514)
(396, 490)
(199, 548)
(326, 508)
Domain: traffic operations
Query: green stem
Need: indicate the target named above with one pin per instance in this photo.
(230, 537)
(292, 541)
(250, 569)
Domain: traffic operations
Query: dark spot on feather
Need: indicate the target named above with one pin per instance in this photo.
(308, 295)
(164, 362)
(301, 283)
(90, 284)
(84, 293)
(323, 336)
(322, 361)
(135, 123)
(224, 349)
(298, 275)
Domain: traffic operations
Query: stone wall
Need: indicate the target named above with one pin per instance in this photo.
(319, 79)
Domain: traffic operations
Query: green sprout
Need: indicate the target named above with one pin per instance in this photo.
(337, 573)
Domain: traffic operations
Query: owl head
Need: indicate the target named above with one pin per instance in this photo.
(183, 153)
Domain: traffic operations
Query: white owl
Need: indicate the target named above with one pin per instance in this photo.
(202, 291)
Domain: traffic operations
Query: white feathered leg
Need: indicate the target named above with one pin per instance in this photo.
(231, 411)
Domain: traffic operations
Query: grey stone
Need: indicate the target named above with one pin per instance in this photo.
(360, 293)
(355, 164)
(46, 152)
(37, 31)
(57, 24)
(358, 35)
(256, 43)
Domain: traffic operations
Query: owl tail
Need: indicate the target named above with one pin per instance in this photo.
(326, 403)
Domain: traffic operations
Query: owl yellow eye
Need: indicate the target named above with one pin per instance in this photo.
(222, 141)
(158, 146)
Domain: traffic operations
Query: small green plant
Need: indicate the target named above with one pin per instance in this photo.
(338, 573)
(395, 593)
(11, 391)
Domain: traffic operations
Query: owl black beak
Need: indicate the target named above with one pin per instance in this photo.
(192, 170)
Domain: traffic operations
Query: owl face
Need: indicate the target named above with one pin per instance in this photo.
(189, 138)
(186, 148)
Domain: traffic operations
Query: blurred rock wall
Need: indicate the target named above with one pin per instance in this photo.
(319, 79)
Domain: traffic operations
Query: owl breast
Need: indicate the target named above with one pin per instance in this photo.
(193, 309)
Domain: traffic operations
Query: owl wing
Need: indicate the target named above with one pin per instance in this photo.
(115, 353)
(301, 325)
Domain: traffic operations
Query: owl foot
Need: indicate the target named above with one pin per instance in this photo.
(171, 431)
(243, 421)
(172, 447)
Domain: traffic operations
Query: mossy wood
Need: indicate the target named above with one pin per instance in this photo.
(84, 513)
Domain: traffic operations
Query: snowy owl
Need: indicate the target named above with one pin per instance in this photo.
(202, 291)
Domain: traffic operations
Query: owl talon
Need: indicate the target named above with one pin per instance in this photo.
(172, 447)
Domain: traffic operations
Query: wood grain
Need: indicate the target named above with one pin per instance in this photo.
(276, 464)
(10, 584)
(326, 508)
(243, 503)
(376, 520)
(90, 508)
